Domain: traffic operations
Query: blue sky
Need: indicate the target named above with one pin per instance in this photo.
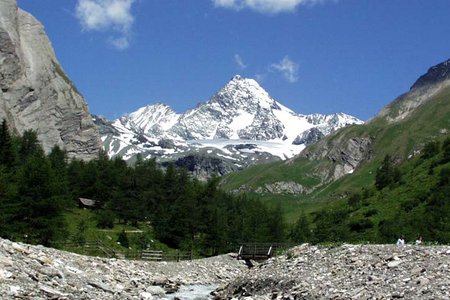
(313, 56)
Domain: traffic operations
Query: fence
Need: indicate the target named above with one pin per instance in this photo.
(98, 248)
(259, 251)
(151, 255)
(93, 248)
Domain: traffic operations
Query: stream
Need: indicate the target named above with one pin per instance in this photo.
(191, 292)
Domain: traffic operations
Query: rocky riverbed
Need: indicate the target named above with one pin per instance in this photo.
(36, 272)
(303, 272)
(348, 272)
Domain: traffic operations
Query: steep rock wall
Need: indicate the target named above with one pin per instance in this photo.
(35, 93)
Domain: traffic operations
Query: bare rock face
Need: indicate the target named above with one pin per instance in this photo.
(346, 154)
(283, 188)
(35, 93)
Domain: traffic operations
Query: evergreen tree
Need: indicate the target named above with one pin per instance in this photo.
(38, 210)
(430, 149)
(276, 225)
(331, 226)
(58, 163)
(301, 232)
(446, 151)
(8, 156)
(29, 145)
(123, 239)
(387, 174)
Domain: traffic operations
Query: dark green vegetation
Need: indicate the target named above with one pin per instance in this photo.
(399, 185)
(39, 203)
(411, 198)
(396, 188)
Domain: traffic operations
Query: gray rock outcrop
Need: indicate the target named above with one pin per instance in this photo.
(204, 167)
(308, 137)
(345, 154)
(35, 93)
(283, 188)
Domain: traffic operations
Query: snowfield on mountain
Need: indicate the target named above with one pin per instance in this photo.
(238, 124)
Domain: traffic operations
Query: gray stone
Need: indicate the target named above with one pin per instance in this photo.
(283, 187)
(393, 264)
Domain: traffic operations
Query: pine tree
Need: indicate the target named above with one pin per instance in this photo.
(387, 174)
(8, 156)
(29, 145)
(301, 232)
(39, 209)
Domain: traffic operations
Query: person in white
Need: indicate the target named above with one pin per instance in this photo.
(401, 242)
(419, 241)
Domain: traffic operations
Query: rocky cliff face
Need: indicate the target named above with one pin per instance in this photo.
(35, 93)
(345, 154)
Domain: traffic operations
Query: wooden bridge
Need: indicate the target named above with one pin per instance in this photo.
(258, 251)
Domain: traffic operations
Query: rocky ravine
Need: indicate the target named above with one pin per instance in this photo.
(305, 272)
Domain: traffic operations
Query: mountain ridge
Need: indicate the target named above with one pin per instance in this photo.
(400, 129)
(236, 124)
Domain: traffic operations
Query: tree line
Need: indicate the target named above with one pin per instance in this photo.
(37, 190)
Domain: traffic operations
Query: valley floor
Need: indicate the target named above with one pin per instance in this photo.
(303, 272)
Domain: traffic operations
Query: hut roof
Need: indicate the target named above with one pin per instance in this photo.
(88, 202)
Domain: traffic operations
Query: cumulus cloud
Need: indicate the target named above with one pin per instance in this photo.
(264, 6)
(238, 60)
(108, 16)
(287, 68)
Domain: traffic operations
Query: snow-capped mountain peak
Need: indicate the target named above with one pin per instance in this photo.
(243, 91)
(241, 123)
(152, 120)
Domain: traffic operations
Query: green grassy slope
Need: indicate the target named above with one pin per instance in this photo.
(399, 139)
(415, 205)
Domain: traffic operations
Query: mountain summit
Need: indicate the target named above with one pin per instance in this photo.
(434, 75)
(241, 124)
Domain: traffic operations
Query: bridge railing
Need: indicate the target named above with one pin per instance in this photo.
(259, 251)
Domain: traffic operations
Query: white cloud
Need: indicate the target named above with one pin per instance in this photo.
(107, 15)
(265, 6)
(238, 60)
(287, 68)
(120, 43)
